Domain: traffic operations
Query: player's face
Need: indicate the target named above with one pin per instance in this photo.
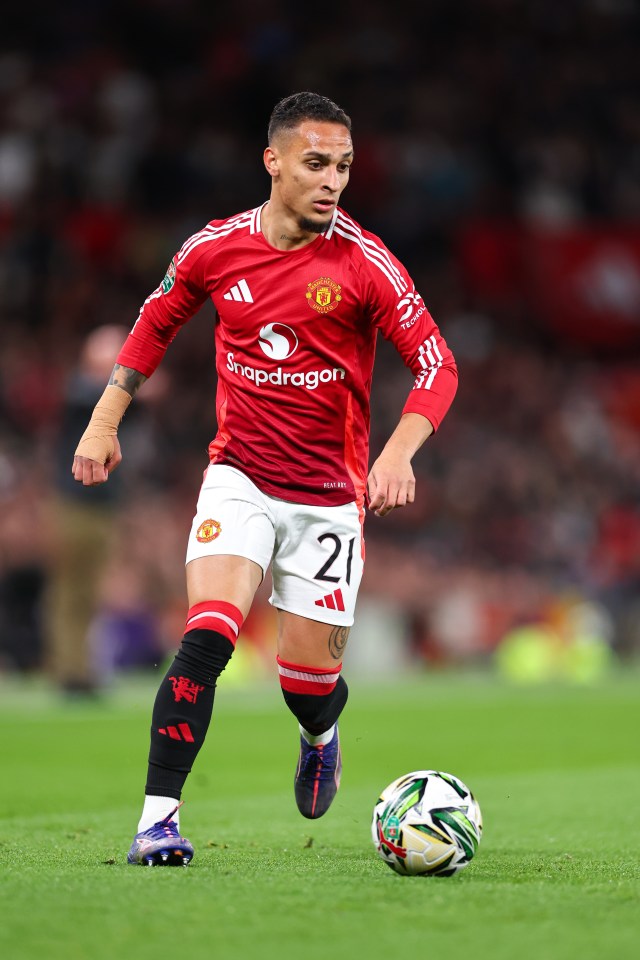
(310, 169)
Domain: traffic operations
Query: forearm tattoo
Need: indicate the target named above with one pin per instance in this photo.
(338, 641)
(127, 379)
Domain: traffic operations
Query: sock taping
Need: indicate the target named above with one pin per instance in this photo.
(216, 615)
(318, 681)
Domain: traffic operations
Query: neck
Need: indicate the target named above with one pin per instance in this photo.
(282, 232)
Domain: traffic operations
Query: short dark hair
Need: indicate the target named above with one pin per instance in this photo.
(292, 110)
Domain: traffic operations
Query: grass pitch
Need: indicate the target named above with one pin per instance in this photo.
(556, 771)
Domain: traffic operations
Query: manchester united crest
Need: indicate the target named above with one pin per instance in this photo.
(208, 531)
(323, 294)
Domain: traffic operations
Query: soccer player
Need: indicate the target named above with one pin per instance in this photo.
(300, 291)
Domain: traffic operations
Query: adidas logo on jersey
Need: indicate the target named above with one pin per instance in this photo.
(239, 292)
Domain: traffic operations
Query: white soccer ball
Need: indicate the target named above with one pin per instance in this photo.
(426, 823)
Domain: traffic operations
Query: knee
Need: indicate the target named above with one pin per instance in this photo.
(210, 636)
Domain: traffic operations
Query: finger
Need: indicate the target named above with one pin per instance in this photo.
(377, 500)
(376, 497)
(94, 473)
(396, 496)
(400, 499)
(392, 494)
(381, 504)
(402, 493)
(89, 472)
(113, 462)
(406, 493)
(100, 474)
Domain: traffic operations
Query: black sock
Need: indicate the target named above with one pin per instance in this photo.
(182, 710)
(318, 714)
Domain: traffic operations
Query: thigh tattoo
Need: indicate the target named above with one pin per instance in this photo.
(338, 641)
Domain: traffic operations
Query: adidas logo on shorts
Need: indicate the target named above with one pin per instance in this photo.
(332, 601)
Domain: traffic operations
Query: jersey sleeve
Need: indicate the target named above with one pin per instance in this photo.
(179, 296)
(402, 317)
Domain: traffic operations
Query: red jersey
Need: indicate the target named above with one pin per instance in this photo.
(295, 346)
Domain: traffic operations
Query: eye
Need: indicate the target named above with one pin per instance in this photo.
(314, 164)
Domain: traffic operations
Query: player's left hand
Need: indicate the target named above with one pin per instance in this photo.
(391, 483)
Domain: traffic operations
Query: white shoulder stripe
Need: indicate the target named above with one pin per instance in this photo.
(380, 265)
(203, 236)
(212, 233)
(208, 228)
(374, 248)
(346, 221)
(256, 222)
(194, 236)
(329, 231)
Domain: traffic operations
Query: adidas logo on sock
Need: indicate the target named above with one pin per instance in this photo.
(333, 601)
(181, 732)
(239, 292)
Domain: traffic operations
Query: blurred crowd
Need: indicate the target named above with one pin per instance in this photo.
(125, 127)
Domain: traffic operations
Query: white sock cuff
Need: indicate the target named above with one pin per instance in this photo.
(157, 808)
(321, 740)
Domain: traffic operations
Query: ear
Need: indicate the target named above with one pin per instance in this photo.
(271, 162)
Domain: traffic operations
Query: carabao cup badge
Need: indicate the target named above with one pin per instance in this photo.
(169, 277)
(323, 294)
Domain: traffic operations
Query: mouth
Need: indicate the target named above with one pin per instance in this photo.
(324, 206)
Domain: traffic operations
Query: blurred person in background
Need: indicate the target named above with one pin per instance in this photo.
(25, 547)
(83, 527)
(300, 292)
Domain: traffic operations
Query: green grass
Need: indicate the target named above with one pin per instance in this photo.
(556, 772)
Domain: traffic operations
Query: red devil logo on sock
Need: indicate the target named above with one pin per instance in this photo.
(185, 689)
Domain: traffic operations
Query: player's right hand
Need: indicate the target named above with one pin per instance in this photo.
(91, 473)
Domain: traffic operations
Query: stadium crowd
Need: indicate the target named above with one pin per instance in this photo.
(125, 127)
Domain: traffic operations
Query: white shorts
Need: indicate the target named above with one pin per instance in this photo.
(316, 553)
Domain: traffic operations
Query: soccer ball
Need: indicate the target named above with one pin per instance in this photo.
(427, 823)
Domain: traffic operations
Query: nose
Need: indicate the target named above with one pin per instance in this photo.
(332, 178)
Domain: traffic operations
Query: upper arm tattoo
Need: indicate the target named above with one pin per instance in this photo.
(127, 379)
